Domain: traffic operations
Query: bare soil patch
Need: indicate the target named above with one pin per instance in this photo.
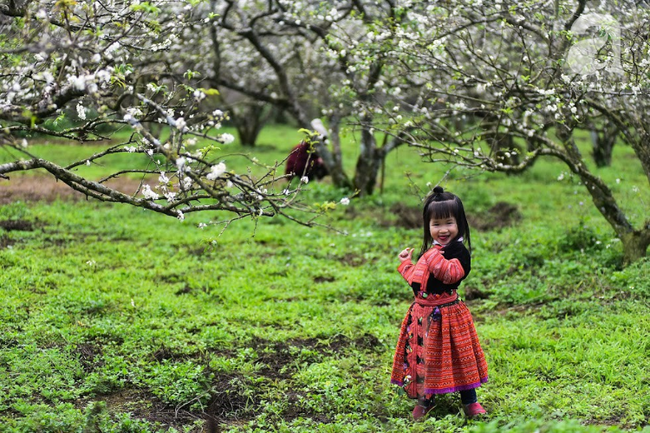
(142, 405)
(17, 225)
(500, 215)
(472, 293)
(231, 400)
(409, 217)
(5, 242)
(48, 189)
(88, 353)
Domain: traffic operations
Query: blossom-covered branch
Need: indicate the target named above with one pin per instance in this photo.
(494, 87)
(108, 72)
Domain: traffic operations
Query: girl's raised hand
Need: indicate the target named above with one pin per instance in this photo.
(406, 254)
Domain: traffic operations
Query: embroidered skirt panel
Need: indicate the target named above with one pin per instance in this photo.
(438, 351)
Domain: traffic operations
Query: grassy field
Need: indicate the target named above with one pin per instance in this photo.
(118, 320)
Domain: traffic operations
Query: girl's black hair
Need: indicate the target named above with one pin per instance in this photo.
(440, 204)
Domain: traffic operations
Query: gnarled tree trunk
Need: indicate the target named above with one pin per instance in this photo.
(602, 142)
(368, 164)
(333, 159)
(249, 121)
(635, 242)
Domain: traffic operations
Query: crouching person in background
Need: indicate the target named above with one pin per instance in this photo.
(304, 161)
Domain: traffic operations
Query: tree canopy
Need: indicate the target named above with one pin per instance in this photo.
(494, 87)
(486, 86)
(83, 71)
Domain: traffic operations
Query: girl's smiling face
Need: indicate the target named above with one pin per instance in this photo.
(443, 230)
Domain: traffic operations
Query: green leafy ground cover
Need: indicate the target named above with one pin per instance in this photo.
(118, 320)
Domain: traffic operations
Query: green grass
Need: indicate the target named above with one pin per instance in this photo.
(118, 320)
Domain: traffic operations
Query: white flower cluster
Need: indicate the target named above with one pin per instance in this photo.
(227, 138)
(89, 83)
(180, 124)
(81, 111)
(132, 114)
(198, 95)
(148, 193)
(216, 171)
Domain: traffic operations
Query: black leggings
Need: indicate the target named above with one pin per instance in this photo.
(468, 397)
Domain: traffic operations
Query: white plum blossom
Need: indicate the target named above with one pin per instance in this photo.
(199, 95)
(132, 114)
(180, 124)
(227, 138)
(79, 83)
(81, 111)
(148, 193)
(345, 201)
(216, 171)
(304, 179)
(107, 78)
(103, 76)
(47, 76)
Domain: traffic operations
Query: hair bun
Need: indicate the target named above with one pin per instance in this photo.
(438, 190)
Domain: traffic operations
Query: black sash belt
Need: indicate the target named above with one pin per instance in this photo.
(449, 304)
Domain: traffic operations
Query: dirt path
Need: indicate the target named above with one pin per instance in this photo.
(46, 188)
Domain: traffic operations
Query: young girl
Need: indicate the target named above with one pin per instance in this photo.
(438, 350)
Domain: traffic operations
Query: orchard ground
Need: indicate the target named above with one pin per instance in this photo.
(115, 319)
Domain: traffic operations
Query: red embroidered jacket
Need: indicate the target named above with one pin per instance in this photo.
(440, 269)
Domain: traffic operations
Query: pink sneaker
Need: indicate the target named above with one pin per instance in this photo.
(420, 411)
(473, 410)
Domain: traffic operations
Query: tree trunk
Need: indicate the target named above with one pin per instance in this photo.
(333, 159)
(368, 164)
(247, 136)
(602, 142)
(642, 149)
(635, 244)
(249, 122)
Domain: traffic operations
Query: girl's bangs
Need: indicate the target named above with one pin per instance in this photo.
(442, 209)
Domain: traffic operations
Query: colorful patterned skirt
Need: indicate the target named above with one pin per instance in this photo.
(438, 349)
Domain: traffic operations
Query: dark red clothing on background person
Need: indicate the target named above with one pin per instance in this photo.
(304, 161)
